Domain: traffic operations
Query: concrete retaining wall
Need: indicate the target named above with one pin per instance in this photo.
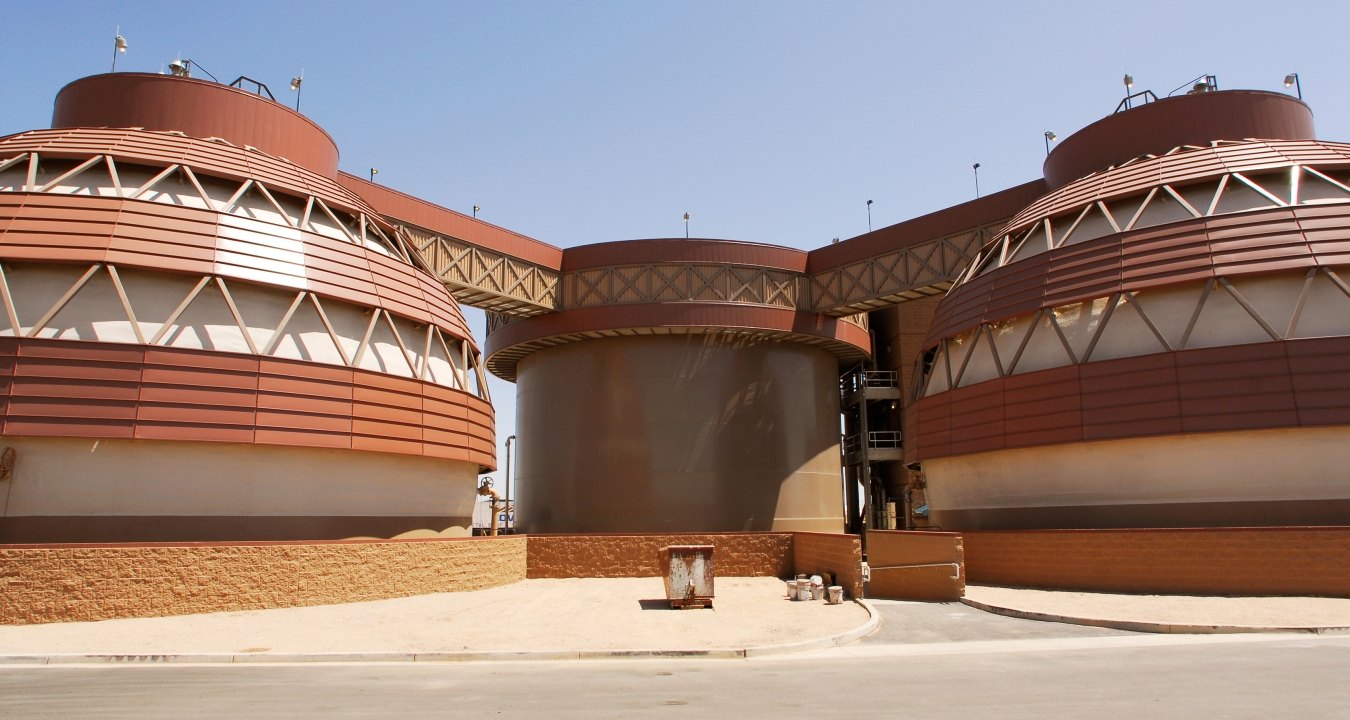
(633, 555)
(1206, 561)
(62, 583)
(911, 565)
(839, 555)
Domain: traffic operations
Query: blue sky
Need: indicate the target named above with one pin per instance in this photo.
(580, 122)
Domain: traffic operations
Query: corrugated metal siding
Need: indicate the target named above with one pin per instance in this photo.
(98, 390)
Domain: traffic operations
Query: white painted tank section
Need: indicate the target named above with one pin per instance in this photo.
(1242, 466)
(76, 476)
(1185, 315)
(95, 313)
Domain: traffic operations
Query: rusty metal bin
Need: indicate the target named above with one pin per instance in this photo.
(688, 572)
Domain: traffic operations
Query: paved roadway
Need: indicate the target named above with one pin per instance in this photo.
(983, 667)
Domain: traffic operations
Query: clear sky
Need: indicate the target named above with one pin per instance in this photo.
(771, 121)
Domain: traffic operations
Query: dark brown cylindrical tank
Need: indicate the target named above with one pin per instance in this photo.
(690, 432)
(197, 109)
(1157, 127)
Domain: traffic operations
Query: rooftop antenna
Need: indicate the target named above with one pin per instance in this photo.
(119, 46)
(183, 68)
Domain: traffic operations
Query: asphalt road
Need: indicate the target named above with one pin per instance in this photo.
(1252, 676)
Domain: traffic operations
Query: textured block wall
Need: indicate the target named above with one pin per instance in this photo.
(1222, 561)
(61, 583)
(597, 556)
(840, 555)
(916, 565)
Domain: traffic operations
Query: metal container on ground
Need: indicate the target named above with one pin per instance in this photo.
(688, 574)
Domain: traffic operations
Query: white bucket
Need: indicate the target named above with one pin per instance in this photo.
(836, 595)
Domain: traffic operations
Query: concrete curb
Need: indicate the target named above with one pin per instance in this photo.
(1143, 626)
(873, 621)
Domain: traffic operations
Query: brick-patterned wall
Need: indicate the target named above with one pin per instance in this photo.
(734, 554)
(910, 565)
(840, 555)
(59, 583)
(1238, 561)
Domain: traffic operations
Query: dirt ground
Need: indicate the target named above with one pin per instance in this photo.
(531, 615)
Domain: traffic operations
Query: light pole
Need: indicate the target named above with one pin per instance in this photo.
(976, 168)
(119, 46)
(509, 501)
(475, 214)
(869, 216)
(1049, 138)
(296, 82)
(1290, 80)
(373, 173)
(686, 226)
(1129, 84)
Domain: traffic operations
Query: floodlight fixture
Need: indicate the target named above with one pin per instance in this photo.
(296, 82)
(1291, 80)
(119, 46)
(373, 173)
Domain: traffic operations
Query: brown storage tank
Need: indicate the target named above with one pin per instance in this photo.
(1160, 342)
(678, 433)
(204, 337)
(678, 389)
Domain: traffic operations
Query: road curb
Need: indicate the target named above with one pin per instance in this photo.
(1143, 626)
(873, 621)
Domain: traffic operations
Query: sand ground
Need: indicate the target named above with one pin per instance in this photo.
(1241, 612)
(531, 615)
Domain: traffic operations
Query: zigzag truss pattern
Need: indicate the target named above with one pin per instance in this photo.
(1161, 204)
(179, 184)
(676, 283)
(1221, 311)
(910, 273)
(483, 278)
(102, 304)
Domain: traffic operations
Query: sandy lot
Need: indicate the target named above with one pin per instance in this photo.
(1253, 612)
(531, 615)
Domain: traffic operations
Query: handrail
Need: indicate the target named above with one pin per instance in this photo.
(1126, 104)
(261, 87)
(956, 567)
(876, 440)
(862, 379)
